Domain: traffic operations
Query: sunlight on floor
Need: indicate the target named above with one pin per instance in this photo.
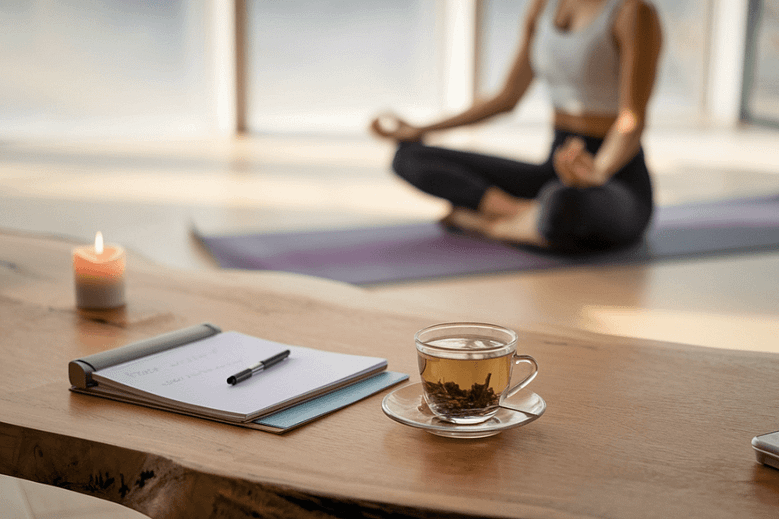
(266, 192)
(730, 331)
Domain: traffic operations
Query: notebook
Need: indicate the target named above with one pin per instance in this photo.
(187, 371)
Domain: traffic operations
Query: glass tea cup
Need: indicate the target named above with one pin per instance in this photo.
(466, 369)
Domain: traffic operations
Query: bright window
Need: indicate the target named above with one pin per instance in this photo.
(762, 95)
(328, 66)
(102, 68)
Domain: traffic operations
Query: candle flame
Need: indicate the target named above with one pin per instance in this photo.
(99, 242)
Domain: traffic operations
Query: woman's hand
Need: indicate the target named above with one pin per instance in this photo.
(575, 166)
(393, 127)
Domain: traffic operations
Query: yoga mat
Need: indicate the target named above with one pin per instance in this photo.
(374, 255)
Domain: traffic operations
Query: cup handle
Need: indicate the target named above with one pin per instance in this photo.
(519, 359)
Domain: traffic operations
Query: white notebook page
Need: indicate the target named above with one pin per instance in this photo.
(196, 374)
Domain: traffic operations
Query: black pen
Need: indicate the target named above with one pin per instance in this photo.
(260, 366)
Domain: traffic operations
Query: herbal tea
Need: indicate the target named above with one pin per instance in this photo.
(462, 389)
(466, 369)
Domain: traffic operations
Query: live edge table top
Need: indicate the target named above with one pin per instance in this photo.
(633, 428)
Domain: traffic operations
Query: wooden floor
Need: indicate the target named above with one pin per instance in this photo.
(147, 196)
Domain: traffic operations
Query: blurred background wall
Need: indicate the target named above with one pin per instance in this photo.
(184, 68)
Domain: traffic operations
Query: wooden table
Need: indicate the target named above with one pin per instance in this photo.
(633, 428)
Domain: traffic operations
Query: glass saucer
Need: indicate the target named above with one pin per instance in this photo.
(406, 405)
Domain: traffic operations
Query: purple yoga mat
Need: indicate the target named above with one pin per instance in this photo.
(387, 254)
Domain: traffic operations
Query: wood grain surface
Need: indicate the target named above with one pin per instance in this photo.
(634, 428)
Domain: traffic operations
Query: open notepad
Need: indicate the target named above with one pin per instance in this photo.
(187, 372)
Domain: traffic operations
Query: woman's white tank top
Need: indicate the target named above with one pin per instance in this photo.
(581, 67)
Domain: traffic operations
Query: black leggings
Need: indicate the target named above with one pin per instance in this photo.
(571, 219)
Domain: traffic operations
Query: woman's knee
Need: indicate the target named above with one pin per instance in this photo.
(560, 217)
(591, 218)
(418, 165)
(407, 161)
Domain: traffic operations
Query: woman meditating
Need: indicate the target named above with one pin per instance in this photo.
(598, 59)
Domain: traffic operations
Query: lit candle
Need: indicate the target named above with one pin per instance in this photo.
(99, 275)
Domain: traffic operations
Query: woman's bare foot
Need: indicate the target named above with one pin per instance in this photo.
(467, 220)
(520, 228)
(497, 203)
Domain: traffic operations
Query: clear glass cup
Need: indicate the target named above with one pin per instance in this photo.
(467, 368)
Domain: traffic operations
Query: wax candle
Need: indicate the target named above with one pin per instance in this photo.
(99, 275)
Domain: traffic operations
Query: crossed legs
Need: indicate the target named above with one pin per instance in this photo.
(525, 203)
(490, 195)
